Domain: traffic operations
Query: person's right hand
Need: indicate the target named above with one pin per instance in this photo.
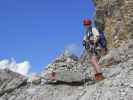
(84, 43)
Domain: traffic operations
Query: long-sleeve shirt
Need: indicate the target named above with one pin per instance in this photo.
(91, 32)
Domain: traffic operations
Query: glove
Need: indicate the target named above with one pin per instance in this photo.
(84, 43)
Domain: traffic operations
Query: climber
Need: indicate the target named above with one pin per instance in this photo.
(91, 41)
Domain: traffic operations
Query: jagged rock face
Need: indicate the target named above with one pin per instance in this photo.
(118, 84)
(9, 81)
(114, 17)
(119, 55)
(68, 69)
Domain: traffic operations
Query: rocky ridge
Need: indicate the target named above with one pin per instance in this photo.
(118, 84)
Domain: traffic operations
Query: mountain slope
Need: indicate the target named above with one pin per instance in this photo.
(73, 80)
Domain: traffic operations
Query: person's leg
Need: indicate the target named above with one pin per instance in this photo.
(97, 67)
(102, 45)
(94, 62)
(103, 51)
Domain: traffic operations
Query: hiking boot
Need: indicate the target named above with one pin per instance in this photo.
(99, 77)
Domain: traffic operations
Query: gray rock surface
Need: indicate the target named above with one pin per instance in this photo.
(114, 17)
(67, 69)
(73, 80)
(9, 81)
(118, 84)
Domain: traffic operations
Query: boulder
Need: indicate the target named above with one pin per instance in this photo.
(9, 81)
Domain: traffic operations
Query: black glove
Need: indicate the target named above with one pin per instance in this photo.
(84, 43)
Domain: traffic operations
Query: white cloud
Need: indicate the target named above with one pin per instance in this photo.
(4, 64)
(21, 68)
(74, 49)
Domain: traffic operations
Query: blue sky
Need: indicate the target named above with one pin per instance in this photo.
(38, 30)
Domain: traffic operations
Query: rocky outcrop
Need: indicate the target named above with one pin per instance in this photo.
(118, 84)
(114, 17)
(9, 81)
(67, 69)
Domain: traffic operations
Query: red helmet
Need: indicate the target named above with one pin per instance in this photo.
(86, 22)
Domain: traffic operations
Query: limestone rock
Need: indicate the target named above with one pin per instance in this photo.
(66, 69)
(114, 17)
(9, 81)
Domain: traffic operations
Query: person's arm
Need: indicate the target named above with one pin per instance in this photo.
(84, 41)
(87, 34)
